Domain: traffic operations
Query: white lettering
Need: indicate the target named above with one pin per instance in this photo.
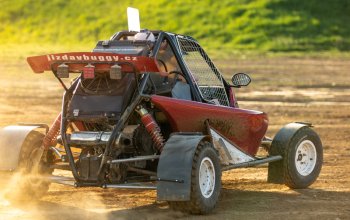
(101, 58)
(86, 57)
(53, 57)
(65, 57)
(116, 58)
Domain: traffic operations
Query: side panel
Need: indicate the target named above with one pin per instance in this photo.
(11, 141)
(244, 128)
(229, 153)
(175, 164)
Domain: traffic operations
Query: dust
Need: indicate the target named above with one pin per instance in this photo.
(18, 202)
(14, 204)
(66, 202)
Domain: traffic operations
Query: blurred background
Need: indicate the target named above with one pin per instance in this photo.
(229, 25)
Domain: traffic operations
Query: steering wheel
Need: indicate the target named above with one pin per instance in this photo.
(164, 65)
(177, 73)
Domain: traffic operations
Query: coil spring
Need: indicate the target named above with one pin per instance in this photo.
(158, 138)
(50, 137)
(152, 128)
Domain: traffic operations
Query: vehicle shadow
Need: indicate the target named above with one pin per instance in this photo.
(250, 204)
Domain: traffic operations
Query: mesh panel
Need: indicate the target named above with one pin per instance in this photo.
(204, 73)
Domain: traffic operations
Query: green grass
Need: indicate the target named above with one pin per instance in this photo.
(226, 26)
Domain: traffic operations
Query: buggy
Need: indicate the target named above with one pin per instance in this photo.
(150, 110)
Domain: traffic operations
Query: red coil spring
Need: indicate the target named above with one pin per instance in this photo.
(50, 137)
(152, 128)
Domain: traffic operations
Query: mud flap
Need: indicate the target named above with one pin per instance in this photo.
(281, 139)
(175, 167)
(11, 141)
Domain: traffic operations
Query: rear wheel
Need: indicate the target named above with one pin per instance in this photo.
(205, 182)
(32, 177)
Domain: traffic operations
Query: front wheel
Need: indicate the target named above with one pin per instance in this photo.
(302, 159)
(205, 182)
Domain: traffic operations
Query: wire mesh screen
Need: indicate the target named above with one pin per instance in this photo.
(204, 73)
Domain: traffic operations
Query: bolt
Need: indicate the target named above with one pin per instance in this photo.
(300, 157)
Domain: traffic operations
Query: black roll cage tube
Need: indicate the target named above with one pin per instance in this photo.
(137, 99)
(171, 39)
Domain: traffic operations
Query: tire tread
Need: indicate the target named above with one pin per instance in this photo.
(194, 206)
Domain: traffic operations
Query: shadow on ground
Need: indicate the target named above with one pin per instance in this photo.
(233, 204)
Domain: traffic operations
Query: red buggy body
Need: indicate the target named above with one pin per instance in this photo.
(245, 128)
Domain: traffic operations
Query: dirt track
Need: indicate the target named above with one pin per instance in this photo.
(290, 90)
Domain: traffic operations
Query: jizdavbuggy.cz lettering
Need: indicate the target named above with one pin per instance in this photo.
(83, 57)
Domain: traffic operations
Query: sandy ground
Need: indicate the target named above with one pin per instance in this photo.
(288, 89)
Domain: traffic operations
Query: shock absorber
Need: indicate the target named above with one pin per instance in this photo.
(50, 137)
(152, 127)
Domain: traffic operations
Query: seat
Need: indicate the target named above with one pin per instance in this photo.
(181, 90)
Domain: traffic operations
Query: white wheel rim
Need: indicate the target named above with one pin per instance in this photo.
(207, 177)
(305, 157)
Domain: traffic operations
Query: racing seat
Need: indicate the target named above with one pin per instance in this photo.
(165, 86)
(181, 90)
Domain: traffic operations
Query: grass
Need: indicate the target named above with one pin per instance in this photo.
(231, 26)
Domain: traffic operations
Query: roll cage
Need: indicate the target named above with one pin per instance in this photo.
(205, 80)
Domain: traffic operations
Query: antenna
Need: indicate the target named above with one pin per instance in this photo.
(133, 19)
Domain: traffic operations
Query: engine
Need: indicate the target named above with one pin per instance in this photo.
(132, 142)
